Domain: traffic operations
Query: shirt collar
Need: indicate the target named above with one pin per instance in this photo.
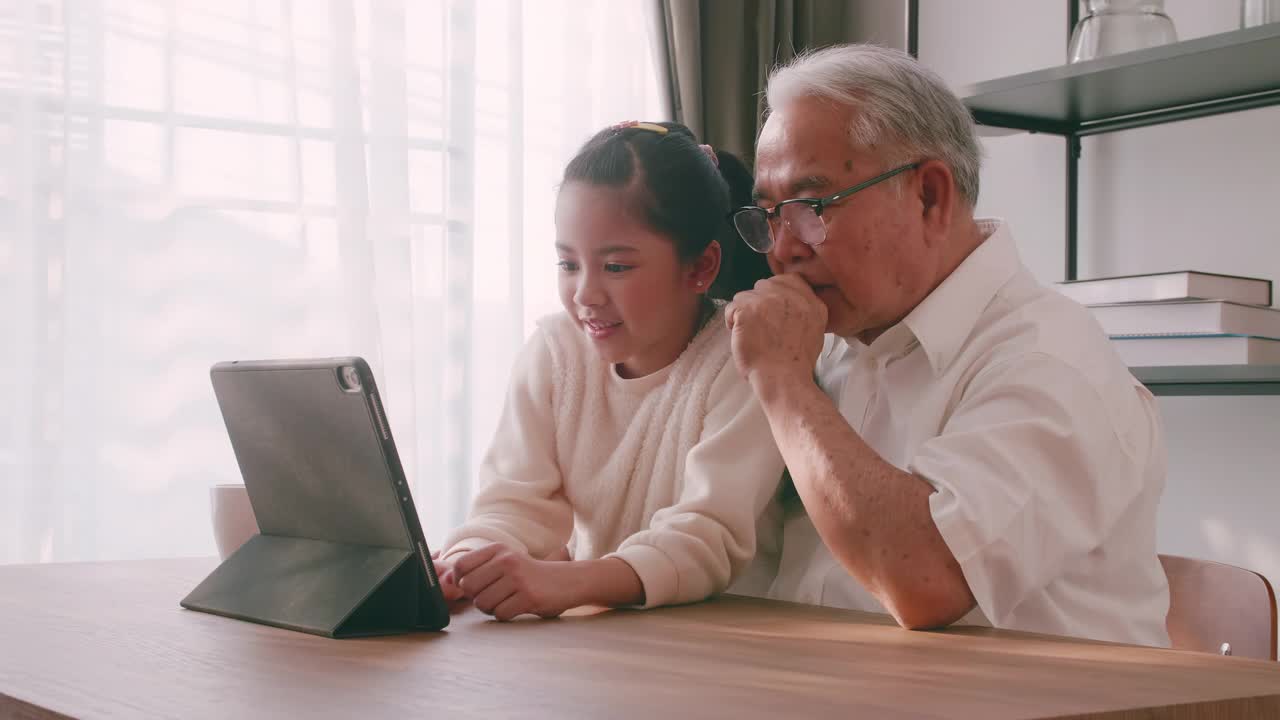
(946, 317)
(944, 320)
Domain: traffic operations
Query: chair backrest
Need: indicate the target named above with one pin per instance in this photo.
(1212, 603)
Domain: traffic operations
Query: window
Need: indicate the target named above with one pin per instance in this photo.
(185, 182)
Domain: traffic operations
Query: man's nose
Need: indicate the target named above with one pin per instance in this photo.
(788, 248)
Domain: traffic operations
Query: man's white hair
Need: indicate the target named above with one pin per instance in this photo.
(899, 102)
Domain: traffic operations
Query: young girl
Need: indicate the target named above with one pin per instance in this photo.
(627, 431)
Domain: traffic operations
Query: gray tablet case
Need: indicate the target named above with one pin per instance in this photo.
(340, 551)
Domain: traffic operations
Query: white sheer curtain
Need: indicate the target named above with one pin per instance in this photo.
(184, 182)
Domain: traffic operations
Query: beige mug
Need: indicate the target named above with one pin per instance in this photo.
(233, 520)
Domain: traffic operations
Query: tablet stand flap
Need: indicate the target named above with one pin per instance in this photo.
(314, 586)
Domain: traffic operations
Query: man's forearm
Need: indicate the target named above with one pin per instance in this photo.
(873, 516)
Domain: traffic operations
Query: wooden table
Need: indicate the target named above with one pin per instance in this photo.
(109, 640)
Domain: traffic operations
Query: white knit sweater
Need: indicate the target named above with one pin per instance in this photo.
(675, 472)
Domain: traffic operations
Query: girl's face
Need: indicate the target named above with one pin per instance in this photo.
(623, 283)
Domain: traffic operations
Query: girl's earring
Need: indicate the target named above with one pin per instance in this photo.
(699, 283)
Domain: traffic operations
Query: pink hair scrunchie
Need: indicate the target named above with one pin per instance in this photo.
(711, 153)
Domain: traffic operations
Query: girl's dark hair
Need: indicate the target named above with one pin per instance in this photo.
(679, 192)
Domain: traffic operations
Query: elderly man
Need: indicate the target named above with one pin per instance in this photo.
(972, 448)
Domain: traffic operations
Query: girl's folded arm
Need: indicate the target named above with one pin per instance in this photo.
(696, 547)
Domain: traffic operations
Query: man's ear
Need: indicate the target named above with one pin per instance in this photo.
(938, 194)
(705, 268)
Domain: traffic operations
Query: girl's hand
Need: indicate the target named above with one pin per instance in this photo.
(506, 583)
(453, 594)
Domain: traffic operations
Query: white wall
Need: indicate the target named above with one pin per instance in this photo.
(1199, 194)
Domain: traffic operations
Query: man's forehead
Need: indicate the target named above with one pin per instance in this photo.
(789, 182)
(798, 145)
(783, 174)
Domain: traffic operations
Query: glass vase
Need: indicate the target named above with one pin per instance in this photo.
(1110, 27)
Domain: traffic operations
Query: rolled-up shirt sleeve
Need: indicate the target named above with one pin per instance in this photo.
(1032, 469)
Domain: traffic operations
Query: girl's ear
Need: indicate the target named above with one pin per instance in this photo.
(704, 268)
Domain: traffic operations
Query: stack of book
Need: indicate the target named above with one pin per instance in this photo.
(1184, 318)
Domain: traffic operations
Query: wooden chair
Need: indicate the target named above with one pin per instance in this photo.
(1220, 608)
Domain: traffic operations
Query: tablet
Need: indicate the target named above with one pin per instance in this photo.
(340, 551)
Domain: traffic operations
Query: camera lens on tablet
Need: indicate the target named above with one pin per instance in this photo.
(350, 378)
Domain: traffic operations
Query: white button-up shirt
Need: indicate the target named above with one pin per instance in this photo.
(1045, 453)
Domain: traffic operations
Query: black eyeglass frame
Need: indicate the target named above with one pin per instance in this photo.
(818, 203)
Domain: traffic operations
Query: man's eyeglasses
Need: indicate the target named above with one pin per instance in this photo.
(803, 216)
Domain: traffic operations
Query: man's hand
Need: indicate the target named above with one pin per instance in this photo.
(777, 329)
(505, 583)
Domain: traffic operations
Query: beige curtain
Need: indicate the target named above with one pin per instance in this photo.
(189, 181)
(719, 54)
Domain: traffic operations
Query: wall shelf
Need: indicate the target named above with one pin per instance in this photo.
(1210, 379)
(1211, 75)
(1204, 76)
